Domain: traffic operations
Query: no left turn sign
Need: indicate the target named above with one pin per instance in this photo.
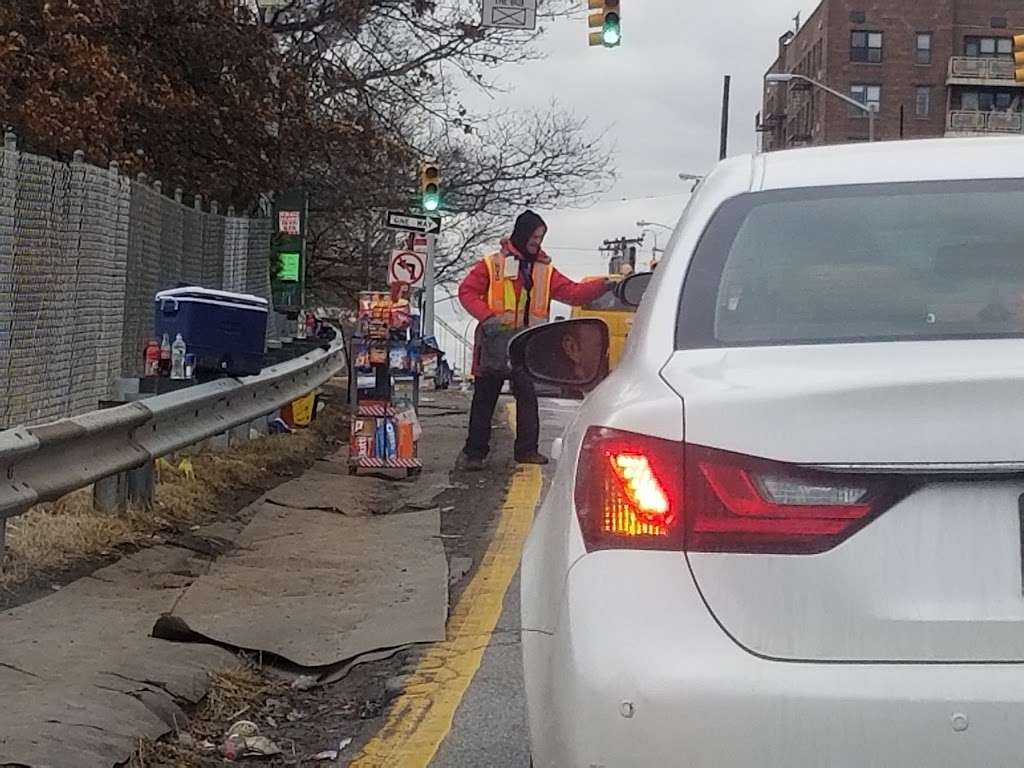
(407, 267)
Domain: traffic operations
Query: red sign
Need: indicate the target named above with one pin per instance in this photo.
(407, 267)
(289, 222)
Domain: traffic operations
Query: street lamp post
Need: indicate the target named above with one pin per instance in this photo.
(647, 225)
(869, 108)
(695, 178)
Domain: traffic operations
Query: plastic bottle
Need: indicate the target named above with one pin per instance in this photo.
(392, 439)
(152, 364)
(380, 443)
(178, 350)
(165, 356)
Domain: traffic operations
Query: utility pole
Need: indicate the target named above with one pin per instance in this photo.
(623, 252)
(723, 147)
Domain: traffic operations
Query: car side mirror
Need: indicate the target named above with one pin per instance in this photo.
(631, 290)
(573, 353)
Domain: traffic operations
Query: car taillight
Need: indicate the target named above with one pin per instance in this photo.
(638, 492)
(628, 491)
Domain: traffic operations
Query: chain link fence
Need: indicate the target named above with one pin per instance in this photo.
(83, 251)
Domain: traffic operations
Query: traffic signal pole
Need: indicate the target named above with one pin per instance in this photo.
(428, 287)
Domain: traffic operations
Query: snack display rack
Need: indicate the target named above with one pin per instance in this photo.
(385, 368)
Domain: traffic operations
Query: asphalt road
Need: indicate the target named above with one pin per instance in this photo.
(490, 723)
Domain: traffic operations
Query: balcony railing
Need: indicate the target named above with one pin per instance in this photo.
(979, 69)
(970, 121)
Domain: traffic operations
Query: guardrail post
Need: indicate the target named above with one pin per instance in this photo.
(110, 495)
(142, 486)
(238, 435)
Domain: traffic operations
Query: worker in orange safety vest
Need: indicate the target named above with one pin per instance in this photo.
(506, 292)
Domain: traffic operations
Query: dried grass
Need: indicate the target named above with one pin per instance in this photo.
(233, 693)
(70, 533)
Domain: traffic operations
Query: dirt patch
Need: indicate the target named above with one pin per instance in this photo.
(55, 543)
(301, 723)
(232, 695)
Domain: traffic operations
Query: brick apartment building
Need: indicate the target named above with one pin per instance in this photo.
(933, 68)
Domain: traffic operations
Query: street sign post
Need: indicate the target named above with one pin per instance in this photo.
(428, 286)
(404, 222)
(510, 14)
(407, 267)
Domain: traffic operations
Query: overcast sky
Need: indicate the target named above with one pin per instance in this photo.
(659, 96)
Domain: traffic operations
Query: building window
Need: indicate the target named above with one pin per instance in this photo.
(999, 22)
(989, 101)
(924, 48)
(865, 94)
(988, 47)
(866, 46)
(923, 101)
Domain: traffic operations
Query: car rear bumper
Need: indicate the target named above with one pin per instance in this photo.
(637, 673)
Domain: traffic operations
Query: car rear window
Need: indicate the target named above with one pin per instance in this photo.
(937, 260)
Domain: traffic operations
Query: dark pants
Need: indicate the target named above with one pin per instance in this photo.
(485, 398)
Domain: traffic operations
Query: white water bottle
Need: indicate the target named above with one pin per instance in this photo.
(178, 350)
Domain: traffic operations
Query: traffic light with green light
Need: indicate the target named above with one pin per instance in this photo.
(606, 22)
(1018, 57)
(430, 186)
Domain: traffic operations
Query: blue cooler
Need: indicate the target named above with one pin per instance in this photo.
(226, 332)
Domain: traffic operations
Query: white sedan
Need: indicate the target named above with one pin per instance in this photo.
(787, 529)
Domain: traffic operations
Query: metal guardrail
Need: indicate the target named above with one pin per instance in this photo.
(973, 121)
(43, 463)
(977, 68)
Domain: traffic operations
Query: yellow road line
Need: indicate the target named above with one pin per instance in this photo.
(422, 716)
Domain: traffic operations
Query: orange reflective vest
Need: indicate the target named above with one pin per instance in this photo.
(501, 293)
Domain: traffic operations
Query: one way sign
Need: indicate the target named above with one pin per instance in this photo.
(403, 222)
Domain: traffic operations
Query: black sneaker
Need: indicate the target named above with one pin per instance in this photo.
(469, 464)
